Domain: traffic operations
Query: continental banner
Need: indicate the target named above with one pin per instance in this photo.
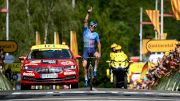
(176, 8)
(161, 45)
(144, 43)
(154, 17)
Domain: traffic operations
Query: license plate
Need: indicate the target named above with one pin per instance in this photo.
(54, 75)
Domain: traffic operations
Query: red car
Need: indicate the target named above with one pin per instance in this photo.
(49, 65)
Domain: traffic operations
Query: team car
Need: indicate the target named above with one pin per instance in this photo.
(49, 64)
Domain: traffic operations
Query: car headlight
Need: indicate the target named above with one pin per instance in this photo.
(28, 68)
(73, 67)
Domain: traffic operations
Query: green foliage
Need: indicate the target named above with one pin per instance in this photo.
(118, 21)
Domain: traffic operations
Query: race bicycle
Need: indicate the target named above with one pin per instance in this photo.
(90, 70)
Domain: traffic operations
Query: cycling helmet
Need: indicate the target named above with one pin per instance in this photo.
(93, 23)
(118, 47)
(113, 45)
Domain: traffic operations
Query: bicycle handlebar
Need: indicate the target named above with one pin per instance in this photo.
(108, 61)
(91, 57)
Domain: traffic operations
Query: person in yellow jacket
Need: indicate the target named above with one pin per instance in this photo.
(120, 58)
(112, 53)
(111, 63)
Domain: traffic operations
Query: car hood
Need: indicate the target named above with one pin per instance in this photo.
(53, 62)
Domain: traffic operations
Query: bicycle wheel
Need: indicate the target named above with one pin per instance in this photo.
(90, 70)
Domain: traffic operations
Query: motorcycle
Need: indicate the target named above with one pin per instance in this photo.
(117, 73)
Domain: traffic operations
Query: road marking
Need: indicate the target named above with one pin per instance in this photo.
(94, 99)
(34, 93)
(98, 92)
(94, 89)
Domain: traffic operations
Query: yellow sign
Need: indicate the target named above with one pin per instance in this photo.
(8, 46)
(144, 43)
(50, 46)
(161, 45)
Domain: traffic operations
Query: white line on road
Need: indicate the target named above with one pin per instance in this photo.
(94, 99)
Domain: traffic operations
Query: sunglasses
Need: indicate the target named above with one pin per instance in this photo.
(93, 26)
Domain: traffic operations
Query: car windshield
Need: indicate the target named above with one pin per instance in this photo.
(50, 54)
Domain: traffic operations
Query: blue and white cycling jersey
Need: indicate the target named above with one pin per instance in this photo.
(90, 38)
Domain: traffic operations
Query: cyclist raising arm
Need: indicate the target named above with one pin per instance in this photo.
(90, 38)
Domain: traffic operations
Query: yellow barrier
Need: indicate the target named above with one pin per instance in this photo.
(135, 68)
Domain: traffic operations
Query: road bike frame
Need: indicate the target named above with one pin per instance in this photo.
(90, 71)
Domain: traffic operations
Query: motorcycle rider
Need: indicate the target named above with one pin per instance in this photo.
(120, 59)
(112, 53)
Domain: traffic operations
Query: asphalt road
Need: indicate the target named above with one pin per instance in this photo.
(83, 94)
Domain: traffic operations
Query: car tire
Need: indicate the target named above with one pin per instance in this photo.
(25, 87)
(125, 82)
(115, 81)
(74, 85)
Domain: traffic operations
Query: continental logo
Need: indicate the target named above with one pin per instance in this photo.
(8, 46)
(161, 45)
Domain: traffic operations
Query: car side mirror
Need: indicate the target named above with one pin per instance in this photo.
(22, 58)
(78, 57)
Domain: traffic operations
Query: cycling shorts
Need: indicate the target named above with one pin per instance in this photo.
(88, 52)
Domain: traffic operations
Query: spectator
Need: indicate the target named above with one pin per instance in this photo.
(177, 56)
(2, 56)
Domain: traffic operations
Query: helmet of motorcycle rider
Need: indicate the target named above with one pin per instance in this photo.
(113, 45)
(118, 47)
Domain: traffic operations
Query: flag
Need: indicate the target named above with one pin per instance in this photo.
(38, 38)
(73, 43)
(144, 70)
(56, 38)
(154, 17)
(3, 10)
(176, 8)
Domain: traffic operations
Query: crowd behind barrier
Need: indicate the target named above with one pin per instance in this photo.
(165, 67)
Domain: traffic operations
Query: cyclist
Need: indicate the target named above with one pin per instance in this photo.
(90, 37)
(2, 56)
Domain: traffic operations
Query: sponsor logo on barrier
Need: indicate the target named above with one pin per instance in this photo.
(161, 45)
